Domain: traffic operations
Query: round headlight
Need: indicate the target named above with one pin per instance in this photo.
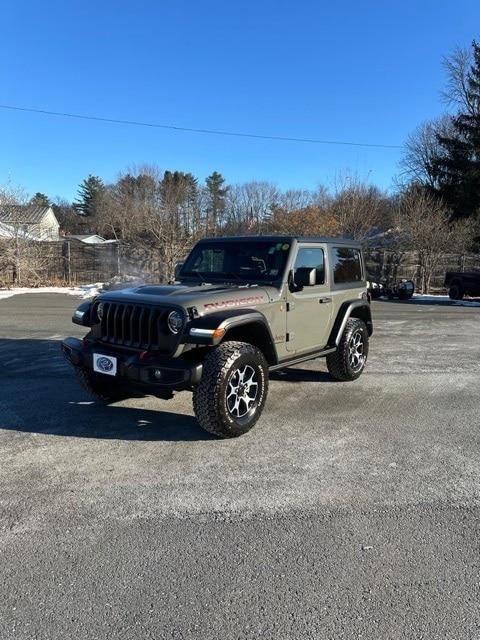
(175, 321)
(100, 309)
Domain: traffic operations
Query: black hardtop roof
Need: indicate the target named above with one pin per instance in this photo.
(285, 238)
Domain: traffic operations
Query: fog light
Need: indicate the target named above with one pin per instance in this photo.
(157, 374)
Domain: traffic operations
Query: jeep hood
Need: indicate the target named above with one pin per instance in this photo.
(205, 297)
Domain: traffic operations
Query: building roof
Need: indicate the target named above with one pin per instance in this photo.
(23, 214)
(89, 238)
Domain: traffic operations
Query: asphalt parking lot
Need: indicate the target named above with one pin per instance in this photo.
(350, 511)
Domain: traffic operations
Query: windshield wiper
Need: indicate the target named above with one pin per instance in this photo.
(235, 275)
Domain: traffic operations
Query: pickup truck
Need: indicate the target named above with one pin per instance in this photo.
(461, 284)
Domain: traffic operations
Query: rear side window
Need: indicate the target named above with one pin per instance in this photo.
(347, 265)
(312, 257)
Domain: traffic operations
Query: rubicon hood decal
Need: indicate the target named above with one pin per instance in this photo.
(234, 302)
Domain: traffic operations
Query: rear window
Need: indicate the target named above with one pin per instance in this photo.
(347, 265)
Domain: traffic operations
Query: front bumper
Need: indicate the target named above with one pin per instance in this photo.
(176, 374)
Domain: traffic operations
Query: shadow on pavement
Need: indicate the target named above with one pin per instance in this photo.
(39, 393)
(125, 423)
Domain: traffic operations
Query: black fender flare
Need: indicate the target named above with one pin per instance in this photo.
(228, 324)
(350, 309)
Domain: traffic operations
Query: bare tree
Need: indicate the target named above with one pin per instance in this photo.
(422, 151)
(465, 231)
(294, 199)
(12, 194)
(456, 93)
(249, 205)
(305, 222)
(124, 206)
(358, 208)
(321, 197)
(424, 226)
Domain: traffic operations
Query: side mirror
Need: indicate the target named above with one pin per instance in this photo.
(304, 277)
(178, 268)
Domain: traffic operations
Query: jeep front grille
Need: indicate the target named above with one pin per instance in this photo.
(136, 326)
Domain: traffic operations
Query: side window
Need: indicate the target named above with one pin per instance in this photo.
(314, 258)
(347, 265)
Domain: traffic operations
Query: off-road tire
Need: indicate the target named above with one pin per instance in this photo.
(456, 291)
(339, 363)
(103, 390)
(210, 395)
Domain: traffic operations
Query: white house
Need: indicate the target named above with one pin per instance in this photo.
(30, 222)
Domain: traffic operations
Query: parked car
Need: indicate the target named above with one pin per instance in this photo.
(460, 284)
(241, 307)
(375, 288)
(401, 289)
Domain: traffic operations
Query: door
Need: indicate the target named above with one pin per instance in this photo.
(309, 310)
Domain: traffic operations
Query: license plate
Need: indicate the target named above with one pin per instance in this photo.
(105, 364)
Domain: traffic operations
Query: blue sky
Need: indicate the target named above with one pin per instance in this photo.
(364, 71)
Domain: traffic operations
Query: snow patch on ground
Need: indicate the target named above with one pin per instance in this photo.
(438, 299)
(83, 291)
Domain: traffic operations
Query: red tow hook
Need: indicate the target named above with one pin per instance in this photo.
(143, 355)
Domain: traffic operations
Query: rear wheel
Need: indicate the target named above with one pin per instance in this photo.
(456, 291)
(101, 387)
(231, 395)
(348, 361)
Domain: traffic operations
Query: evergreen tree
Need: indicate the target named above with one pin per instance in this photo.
(40, 200)
(216, 200)
(458, 166)
(88, 192)
(179, 195)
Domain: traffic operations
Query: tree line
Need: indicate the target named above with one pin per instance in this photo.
(169, 210)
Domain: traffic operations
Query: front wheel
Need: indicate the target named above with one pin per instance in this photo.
(231, 395)
(456, 291)
(348, 361)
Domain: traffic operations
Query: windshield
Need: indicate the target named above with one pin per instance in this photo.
(237, 260)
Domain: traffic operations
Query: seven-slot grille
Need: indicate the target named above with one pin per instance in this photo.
(136, 326)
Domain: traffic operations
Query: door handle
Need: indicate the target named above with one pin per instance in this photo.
(325, 300)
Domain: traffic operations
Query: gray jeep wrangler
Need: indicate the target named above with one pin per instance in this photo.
(239, 308)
